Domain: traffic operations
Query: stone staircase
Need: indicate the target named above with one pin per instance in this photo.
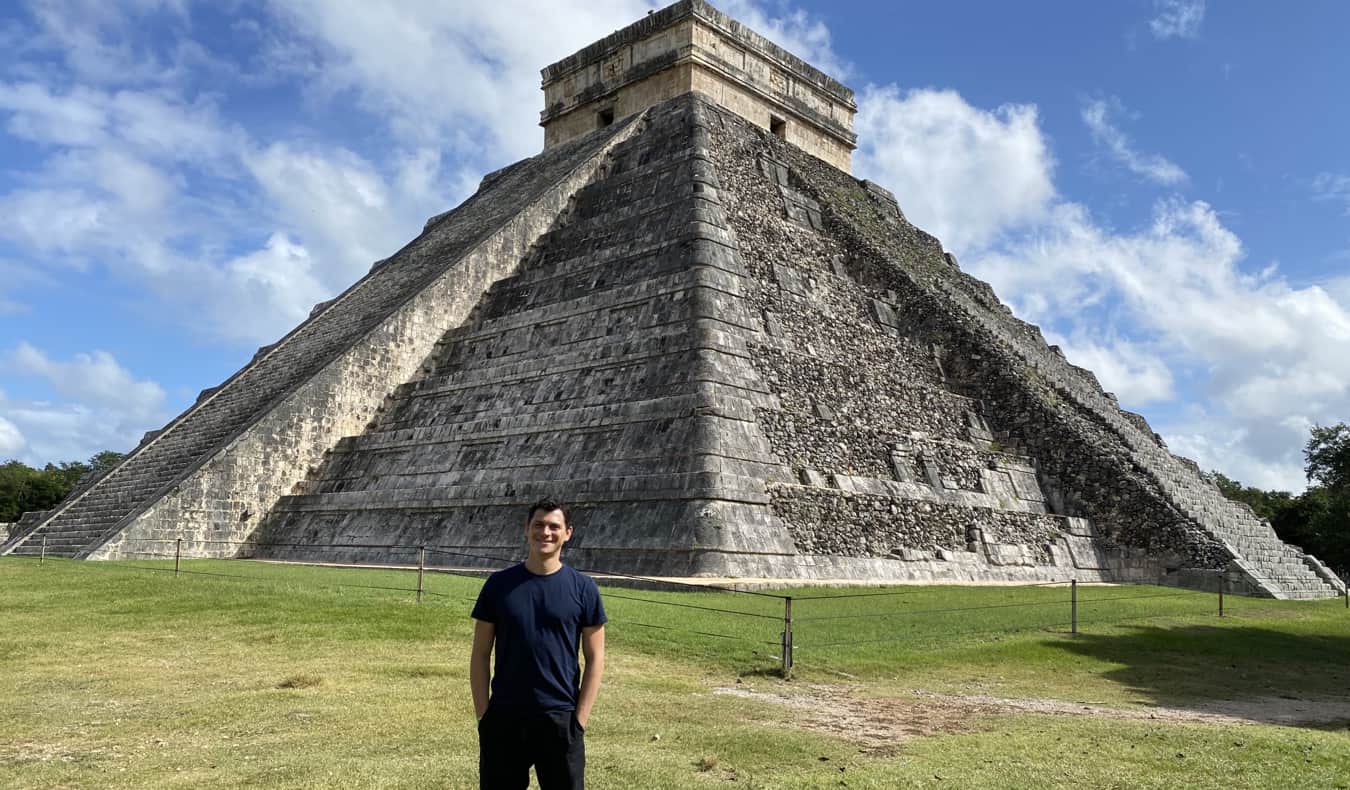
(89, 517)
(92, 514)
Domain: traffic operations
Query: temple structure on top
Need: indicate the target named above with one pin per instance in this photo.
(692, 47)
(689, 320)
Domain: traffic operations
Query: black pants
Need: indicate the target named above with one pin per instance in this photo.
(509, 742)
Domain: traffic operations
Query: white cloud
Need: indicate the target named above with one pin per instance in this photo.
(962, 173)
(114, 187)
(1267, 356)
(110, 208)
(77, 118)
(258, 297)
(1134, 372)
(1097, 114)
(56, 432)
(102, 405)
(170, 128)
(12, 442)
(154, 123)
(96, 39)
(150, 191)
(51, 219)
(1177, 18)
(340, 206)
(94, 378)
(464, 75)
(139, 186)
(1216, 443)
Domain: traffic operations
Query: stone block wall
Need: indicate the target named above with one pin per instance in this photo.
(1151, 511)
(895, 475)
(691, 46)
(954, 359)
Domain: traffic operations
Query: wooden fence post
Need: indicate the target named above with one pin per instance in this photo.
(421, 568)
(1073, 606)
(787, 636)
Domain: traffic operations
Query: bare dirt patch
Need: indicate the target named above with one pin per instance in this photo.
(880, 725)
(877, 725)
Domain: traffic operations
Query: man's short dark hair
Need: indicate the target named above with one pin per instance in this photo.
(548, 505)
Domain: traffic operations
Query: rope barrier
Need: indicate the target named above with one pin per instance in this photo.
(504, 560)
(698, 633)
(599, 572)
(914, 640)
(929, 611)
(186, 572)
(909, 592)
(311, 546)
(612, 595)
(126, 566)
(889, 594)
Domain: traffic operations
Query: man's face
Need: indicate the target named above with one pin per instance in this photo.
(546, 532)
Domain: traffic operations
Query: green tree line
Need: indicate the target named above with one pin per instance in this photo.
(23, 488)
(1318, 520)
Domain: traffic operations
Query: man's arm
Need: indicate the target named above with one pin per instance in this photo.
(593, 650)
(480, 664)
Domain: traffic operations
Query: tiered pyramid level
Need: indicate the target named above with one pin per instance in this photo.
(732, 357)
(611, 368)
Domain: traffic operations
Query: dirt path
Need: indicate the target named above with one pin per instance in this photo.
(880, 724)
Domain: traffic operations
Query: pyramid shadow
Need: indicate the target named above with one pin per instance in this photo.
(1259, 674)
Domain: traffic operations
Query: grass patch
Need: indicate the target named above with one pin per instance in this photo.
(246, 674)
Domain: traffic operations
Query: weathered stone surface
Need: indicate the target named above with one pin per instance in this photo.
(733, 357)
(612, 368)
(1047, 438)
(692, 47)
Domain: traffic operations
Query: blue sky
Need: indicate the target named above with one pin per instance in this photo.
(1161, 185)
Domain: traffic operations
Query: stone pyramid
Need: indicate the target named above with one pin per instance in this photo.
(688, 319)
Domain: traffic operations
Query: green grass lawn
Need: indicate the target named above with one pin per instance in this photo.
(242, 674)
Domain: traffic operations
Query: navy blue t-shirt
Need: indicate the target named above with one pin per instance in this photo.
(538, 622)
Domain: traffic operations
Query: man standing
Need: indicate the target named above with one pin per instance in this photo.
(535, 615)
